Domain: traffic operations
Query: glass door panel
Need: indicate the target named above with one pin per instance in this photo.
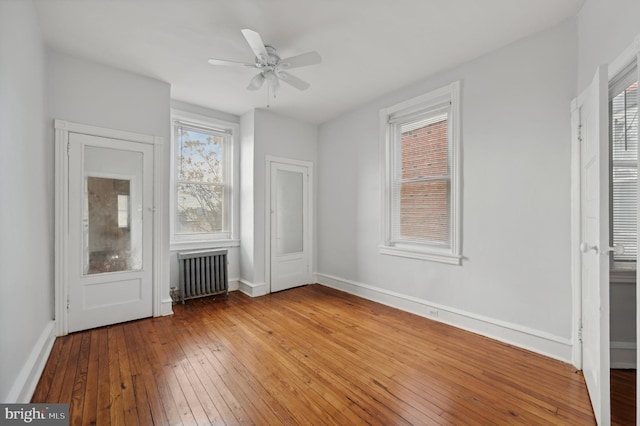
(112, 216)
(289, 212)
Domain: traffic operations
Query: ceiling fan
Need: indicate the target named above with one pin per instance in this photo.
(271, 68)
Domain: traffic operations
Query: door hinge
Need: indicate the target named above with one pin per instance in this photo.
(580, 332)
(68, 148)
(579, 132)
(67, 303)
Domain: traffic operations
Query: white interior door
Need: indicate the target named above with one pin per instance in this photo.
(290, 244)
(110, 231)
(594, 206)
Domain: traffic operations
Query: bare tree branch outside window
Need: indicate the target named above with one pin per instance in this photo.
(200, 192)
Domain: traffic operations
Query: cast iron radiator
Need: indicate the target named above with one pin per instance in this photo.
(203, 273)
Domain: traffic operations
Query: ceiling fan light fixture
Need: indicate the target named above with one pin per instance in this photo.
(272, 79)
(256, 82)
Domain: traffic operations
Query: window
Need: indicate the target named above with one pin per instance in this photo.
(123, 211)
(421, 151)
(623, 120)
(202, 180)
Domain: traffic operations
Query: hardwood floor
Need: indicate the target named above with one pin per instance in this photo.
(623, 397)
(310, 355)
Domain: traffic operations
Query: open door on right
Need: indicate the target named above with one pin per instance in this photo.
(593, 134)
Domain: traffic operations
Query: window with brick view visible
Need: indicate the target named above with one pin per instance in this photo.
(424, 183)
(420, 141)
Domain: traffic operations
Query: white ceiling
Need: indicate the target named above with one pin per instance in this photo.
(368, 47)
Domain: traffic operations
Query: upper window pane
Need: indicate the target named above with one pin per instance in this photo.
(200, 155)
(425, 148)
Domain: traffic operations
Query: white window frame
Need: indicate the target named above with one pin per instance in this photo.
(452, 254)
(214, 240)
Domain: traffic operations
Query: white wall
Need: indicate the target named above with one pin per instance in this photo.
(265, 133)
(515, 282)
(605, 29)
(247, 160)
(26, 203)
(89, 93)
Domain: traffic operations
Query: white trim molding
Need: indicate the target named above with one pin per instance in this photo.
(251, 289)
(576, 226)
(234, 284)
(27, 380)
(541, 342)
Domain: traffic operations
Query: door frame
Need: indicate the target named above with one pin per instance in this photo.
(632, 52)
(269, 162)
(61, 221)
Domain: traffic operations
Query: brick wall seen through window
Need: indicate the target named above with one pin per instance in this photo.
(424, 204)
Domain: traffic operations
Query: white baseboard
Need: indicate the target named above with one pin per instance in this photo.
(252, 289)
(547, 344)
(234, 284)
(623, 355)
(27, 380)
(166, 307)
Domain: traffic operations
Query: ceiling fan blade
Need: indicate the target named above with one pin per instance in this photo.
(226, 63)
(293, 81)
(256, 44)
(309, 58)
(256, 82)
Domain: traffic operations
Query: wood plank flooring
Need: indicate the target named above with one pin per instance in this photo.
(311, 355)
(623, 397)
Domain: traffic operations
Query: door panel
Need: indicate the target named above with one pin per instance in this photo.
(289, 222)
(110, 231)
(594, 207)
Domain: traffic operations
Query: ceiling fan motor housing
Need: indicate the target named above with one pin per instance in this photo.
(271, 60)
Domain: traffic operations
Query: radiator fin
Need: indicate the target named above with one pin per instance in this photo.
(202, 273)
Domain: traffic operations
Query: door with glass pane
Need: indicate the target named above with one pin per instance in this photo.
(289, 226)
(110, 231)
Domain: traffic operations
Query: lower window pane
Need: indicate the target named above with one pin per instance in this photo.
(424, 211)
(199, 209)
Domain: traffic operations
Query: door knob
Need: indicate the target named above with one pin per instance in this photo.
(585, 248)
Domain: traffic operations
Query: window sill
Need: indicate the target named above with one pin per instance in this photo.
(432, 256)
(198, 245)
